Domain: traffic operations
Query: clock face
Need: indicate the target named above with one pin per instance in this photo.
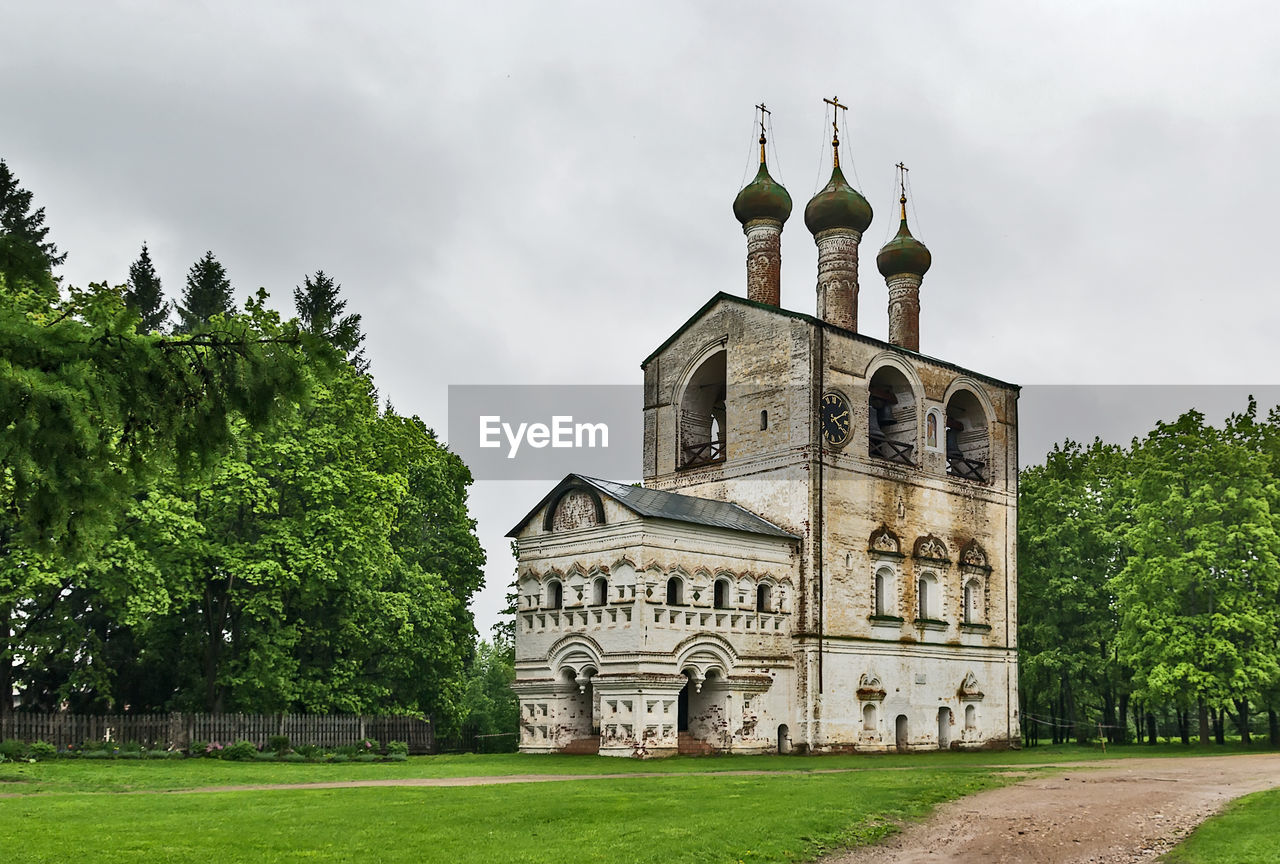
(837, 420)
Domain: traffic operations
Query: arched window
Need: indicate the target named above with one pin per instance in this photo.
(967, 444)
(927, 598)
(891, 434)
(884, 587)
(972, 600)
(675, 591)
(764, 420)
(555, 595)
(702, 417)
(970, 717)
(600, 591)
(869, 717)
(721, 594)
(764, 598)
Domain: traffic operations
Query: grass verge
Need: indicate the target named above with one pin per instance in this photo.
(73, 775)
(1246, 832)
(772, 818)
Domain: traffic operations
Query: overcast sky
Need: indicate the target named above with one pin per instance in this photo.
(540, 192)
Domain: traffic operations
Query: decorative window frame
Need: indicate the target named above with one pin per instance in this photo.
(974, 568)
(931, 558)
(884, 549)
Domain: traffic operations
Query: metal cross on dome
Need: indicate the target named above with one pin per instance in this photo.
(834, 102)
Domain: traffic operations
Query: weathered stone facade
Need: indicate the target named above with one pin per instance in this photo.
(869, 604)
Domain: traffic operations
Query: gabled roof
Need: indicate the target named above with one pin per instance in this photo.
(817, 322)
(656, 504)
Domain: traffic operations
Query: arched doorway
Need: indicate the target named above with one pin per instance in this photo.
(900, 733)
(682, 707)
(944, 728)
(784, 739)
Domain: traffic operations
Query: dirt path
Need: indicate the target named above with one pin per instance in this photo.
(1117, 812)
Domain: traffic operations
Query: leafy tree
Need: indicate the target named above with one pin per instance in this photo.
(1067, 551)
(162, 545)
(1197, 596)
(95, 411)
(144, 295)
(293, 575)
(26, 253)
(492, 709)
(208, 293)
(320, 311)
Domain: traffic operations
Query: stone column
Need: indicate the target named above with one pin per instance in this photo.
(764, 261)
(838, 276)
(904, 310)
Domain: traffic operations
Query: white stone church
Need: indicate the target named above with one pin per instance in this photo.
(822, 555)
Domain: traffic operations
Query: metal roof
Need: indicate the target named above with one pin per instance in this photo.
(656, 504)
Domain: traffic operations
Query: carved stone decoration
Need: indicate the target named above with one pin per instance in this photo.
(885, 542)
(931, 547)
(969, 689)
(576, 508)
(972, 555)
(869, 687)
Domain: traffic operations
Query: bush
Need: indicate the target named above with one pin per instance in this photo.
(129, 754)
(397, 757)
(309, 751)
(340, 757)
(278, 743)
(198, 748)
(241, 751)
(292, 757)
(97, 753)
(265, 756)
(367, 757)
(13, 749)
(43, 750)
(397, 748)
(165, 754)
(368, 745)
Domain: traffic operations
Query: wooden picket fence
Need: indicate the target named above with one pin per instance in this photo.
(176, 731)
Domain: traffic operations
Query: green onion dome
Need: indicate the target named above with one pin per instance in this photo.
(837, 205)
(904, 253)
(762, 198)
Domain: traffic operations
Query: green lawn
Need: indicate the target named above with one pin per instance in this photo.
(642, 819)
(1247, 832)
(77, 775)
(63, 810)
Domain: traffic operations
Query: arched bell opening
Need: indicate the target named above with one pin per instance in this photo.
(702, 414)
(968, 447)
(891, 430)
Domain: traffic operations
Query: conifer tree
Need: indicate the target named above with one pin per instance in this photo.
(320, 311)
(25, 253)
(144, 295)
(208, 293)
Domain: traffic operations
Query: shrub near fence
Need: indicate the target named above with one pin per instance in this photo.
(177, 731)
